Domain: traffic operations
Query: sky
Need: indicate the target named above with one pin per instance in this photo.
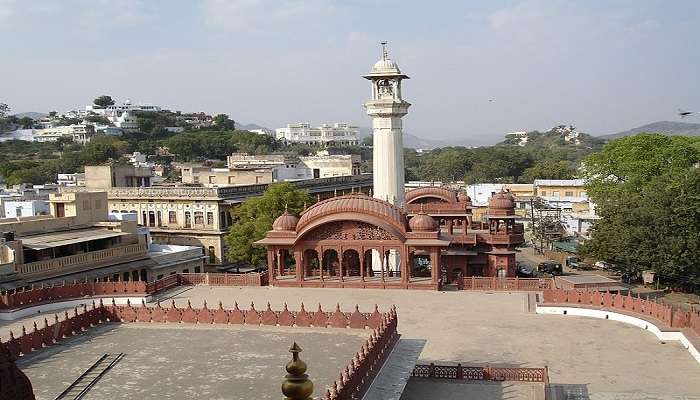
(602, 66)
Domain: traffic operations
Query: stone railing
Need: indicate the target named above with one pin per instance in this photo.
(51, 293)
(461, 372)
(670, 316)
(122, 253)
(355, 379)
(504, 238)
(495, 283)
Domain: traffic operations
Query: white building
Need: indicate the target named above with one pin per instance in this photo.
(25, 208)
(520, 136)
(77, 179)
(339, 134)
(561, 193)
(289, 168)
(387, 108)
(80, 133)
(127, 106)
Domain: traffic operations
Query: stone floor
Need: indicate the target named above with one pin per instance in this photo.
(604, 359)
(191, 362)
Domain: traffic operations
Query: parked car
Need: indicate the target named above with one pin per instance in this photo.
(604, 265)
(573, 262)
(525, 271)
(550, 267)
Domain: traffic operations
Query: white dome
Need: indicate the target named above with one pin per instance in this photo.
(384, 66)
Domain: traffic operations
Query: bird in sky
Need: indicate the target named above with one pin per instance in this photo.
(684, 113)
(492, 100)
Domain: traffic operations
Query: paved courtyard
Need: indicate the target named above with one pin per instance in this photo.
(421, 389)
(603, 359)
(191, 362)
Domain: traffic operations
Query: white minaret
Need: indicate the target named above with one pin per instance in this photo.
(386, 109)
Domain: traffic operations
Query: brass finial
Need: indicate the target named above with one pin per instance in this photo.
(297, 385)
(385, 52)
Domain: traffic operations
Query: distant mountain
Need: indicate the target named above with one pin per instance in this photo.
(409, 141)
(31, 114)
(672, 128)
(248, 127)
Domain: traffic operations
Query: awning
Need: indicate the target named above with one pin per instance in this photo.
(56, 239)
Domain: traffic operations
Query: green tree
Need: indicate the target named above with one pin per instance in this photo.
(647, 192)
(223, 123)
(548, 169)
(368, 141)
(255, 217)
(104, 101)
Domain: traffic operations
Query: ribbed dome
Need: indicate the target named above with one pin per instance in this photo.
(445, 194)
(463, 197)
(385, 66)
(285, 222)
(502, 201)
(354, 204)
(423, 223)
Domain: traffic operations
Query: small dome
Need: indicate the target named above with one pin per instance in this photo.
(423, 223)
(285, 222)
(385, 66)
(502, 201)
(463, 198)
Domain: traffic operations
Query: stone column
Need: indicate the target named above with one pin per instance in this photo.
(435, 264)
(299, 261)
(341, 256)
(362, 265)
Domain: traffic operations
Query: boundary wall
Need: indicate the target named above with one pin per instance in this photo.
(461, 372)
(663, 320)
(352, 382)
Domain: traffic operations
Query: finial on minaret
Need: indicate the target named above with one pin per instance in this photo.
(385, 52)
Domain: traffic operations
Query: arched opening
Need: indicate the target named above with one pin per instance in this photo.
(421, 265)
(312, 266)
(368, 256)
(331, 263)
(212, 255)
(392, 263)
(351, 263)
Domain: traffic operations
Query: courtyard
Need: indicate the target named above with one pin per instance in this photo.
(603, 359)
(190, 361)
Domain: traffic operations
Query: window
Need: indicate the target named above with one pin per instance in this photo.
(210, 218)
(188, 219)
(115, 211)
(98, 204)
(543, 193)
(212, 179)
(555, 194)
(212, 255)
(582, 194)
(86, 204)
(198, 218)
(186, 271)
(172, 217)
(197, 270)
(159, 277)
(18, 211)
(569, 194)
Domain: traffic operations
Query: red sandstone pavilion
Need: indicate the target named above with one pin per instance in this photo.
(357, 241)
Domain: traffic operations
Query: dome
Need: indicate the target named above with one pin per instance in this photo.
(463, 197)
(285, 222)
(432, 192)
(423, 223)
(502, 201)
(385, 66)
(353, 204)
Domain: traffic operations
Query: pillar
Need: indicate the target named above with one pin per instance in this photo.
(299, 261)
(362, 265)
(435, 264)
(450, 229)
(341, 257)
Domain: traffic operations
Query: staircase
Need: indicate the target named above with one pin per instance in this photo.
(89, 378)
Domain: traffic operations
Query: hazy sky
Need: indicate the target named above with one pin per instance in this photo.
(603, 66)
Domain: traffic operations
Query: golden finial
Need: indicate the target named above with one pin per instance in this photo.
(385, 53)
(297, 385)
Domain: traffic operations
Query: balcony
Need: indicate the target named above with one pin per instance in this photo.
(505, 238)
(83, 261)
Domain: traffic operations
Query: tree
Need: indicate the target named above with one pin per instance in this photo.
(255, 217)
(104, 101)
(26, 122)
(4, 110)
(223, 123)
(52, 114)
(647, 191)
(368, 141)
(548, 169)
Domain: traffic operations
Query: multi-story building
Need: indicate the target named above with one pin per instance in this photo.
(25, 208)
(339, 134)
(244, 169)
(108, 176)
(561, 193)
(201, 216)
(480, 193)
(78, 241)
(77, 179)
(80, 133)
(127, 106)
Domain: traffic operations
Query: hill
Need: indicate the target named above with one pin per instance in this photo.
(31, 114)
(409, 141)
(672, 128)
